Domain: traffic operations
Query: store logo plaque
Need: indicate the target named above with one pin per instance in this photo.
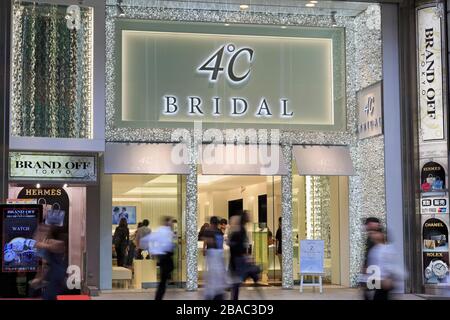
(370, 111)
(57, 167)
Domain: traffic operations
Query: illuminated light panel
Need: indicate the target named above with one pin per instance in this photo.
(149, 190)
(209, 179)
(162, 180)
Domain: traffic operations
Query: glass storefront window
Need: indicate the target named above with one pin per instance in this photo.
(151, 198)
(319, 213)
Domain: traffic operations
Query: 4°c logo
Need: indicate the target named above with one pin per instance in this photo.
(232, 55)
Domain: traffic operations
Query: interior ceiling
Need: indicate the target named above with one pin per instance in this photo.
(137, 186)
(233, 182)
(322, 7)
(150, 186)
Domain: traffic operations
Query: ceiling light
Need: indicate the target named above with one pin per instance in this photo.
(65, 185)
(152, 191)
(243, 6)
(310, 5)
(206, 179)
(38, 185)
(227, 24)
(313, 1)
(283, 27)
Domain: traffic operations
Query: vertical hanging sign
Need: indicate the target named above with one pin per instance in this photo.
(433, 148)
(429, 46)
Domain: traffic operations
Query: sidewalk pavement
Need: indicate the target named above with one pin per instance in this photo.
(249, 293)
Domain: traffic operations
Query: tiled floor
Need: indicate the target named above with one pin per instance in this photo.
(267, 293)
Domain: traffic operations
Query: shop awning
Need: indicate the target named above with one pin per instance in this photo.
(323, 161)
(137, 158)
(265, 160)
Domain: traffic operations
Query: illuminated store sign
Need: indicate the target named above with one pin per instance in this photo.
(33, 166)
(174, 74)
(430, 74)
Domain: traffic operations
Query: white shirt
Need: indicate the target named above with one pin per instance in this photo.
(159, 242)
(381, 255)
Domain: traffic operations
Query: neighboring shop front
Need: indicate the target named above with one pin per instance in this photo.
(56, 133)
(432, 91)
(59, 183)
(198, 96)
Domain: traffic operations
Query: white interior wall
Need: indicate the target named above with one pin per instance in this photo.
(152, 209)
(216, 202)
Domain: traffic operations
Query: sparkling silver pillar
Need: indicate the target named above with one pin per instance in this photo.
(191, 221)
(286, 220)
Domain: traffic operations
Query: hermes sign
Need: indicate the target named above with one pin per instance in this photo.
(173, 74)
(370, 110)
(431, 108)
(32, 166)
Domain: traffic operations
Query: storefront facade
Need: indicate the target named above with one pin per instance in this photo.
(169, 88)
(356, 47)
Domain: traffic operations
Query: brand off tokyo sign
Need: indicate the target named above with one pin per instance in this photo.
(431, 109)
(33, 166)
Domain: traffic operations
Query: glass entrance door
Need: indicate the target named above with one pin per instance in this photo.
(225, 195)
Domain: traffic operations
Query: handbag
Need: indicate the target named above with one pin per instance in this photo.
(429, 244)
(55, 216)
(431, 179)
(45, 208)
(426, 186)
(438, 184)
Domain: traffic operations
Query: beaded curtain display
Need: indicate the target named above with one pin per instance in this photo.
(51, 72)
(318, 224)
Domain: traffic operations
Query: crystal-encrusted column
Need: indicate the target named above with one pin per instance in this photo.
(191, 220)
(286, 221)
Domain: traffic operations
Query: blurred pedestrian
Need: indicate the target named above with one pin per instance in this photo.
(371, 224)
(270, 240)
(204, 227)
(278, 244)
(38, 283)
(141, 232)
(53, 248)
(216, 276)
(223, 226)
(380, 265)
(241, 265)
(160, 244)
(121, 239)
